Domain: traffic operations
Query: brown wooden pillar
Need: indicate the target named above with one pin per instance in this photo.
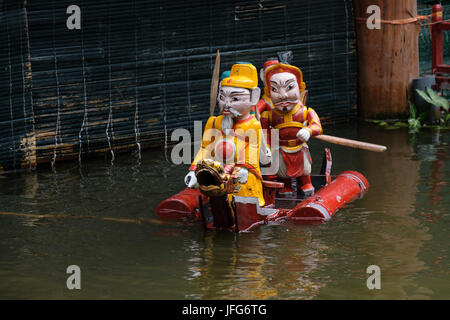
(387, 58)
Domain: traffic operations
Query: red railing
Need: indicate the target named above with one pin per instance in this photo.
(437, 56)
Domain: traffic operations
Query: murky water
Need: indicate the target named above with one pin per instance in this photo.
(101, 218)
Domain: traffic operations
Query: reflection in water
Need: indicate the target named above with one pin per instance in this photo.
(255, 266)
(101, 216)
(398, 253)
(437, 176)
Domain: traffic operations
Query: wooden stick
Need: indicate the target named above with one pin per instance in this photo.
(214, 85)
(351, 143)
(69, 216)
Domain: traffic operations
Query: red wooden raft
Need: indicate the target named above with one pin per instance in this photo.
(245, 212)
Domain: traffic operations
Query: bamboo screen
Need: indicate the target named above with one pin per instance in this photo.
(136, 70)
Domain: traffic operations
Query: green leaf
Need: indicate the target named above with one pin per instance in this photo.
(422, 116)
(414, 123)
(424, 95)
(432, 94)
(437, 99)
(372, 121)
(447, 117)
(412, 110)
(443, 102)
(401, 124)
(391, 127)
(413, 130)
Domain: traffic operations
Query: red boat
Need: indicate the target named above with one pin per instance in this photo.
(212, 206)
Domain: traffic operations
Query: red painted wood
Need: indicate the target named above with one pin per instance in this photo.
(443, 68)
(270, 191)
(247, 216)
(321, 206)
(436, 37)
(441, 79)
(437, 55)
(180, 205)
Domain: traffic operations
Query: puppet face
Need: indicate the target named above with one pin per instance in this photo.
(284, 91)
(235, 102)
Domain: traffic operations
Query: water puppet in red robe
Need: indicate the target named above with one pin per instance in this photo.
(284, 88)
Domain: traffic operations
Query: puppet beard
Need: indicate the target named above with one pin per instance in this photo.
(228, 120)
(227, 123)
(235, 113)
(281, 105)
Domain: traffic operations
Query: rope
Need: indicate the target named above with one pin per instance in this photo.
(397, 21)
(418, 19)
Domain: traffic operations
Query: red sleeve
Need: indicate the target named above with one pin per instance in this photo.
(262, 106)
(265, 125)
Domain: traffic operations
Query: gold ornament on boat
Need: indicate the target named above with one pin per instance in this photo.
(215, 180)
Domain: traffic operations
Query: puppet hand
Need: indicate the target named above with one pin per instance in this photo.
(303, 134)
(265, 155)
(242, 175)
(191, 180)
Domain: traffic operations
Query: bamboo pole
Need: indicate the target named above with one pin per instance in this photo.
(387, 57)
(351, 143)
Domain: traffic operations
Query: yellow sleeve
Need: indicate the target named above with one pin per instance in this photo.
(254, 144)
(206, 141)
(314, 125)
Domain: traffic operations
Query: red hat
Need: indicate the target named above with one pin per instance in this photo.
(279, 68)
(270, 62)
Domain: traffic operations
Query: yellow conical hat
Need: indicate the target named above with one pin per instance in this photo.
(242, 76)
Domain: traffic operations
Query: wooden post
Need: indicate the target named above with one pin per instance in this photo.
(387, 58)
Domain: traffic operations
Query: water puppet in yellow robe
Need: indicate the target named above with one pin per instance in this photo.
(235, 135)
